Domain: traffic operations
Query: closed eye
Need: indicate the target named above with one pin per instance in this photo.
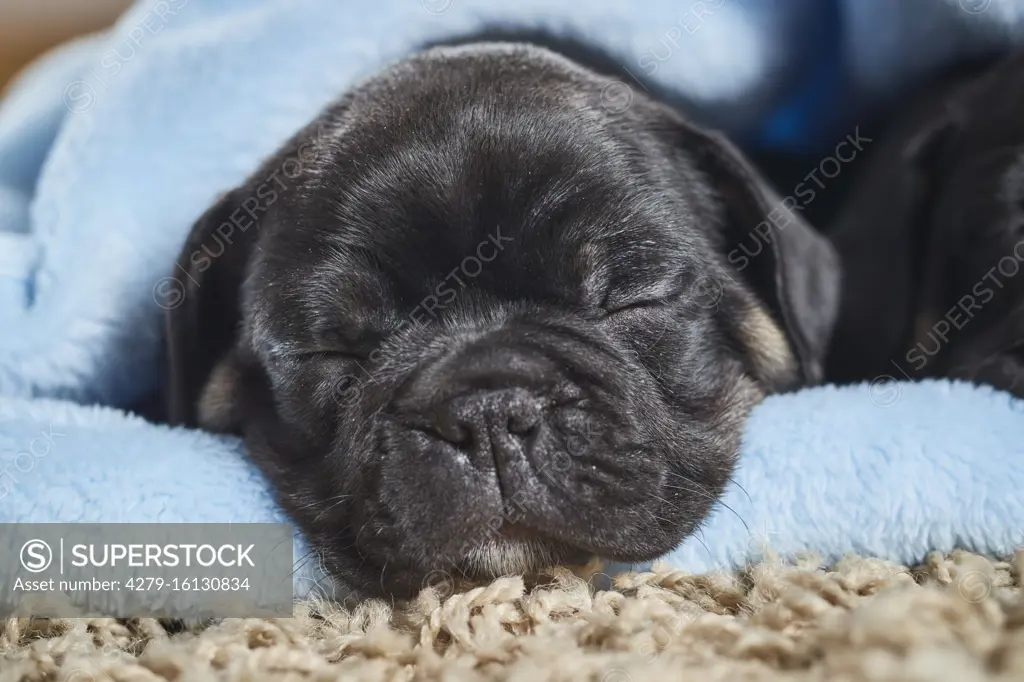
(326, 354)
(334, 360)
(643, 304)
(635, 305)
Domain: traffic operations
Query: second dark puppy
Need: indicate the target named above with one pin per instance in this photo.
(510, 313)
(932, 240)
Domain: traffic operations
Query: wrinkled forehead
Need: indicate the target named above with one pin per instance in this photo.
(575, 255)
(566, 231)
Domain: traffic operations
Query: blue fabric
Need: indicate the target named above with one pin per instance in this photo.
(110, 150)
(856, 54)
(73, 463)
(888, 470)
(111, 146)
(883, 469)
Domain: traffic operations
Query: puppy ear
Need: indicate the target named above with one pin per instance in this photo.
(205, 367)
(201, 330)
(792, 269)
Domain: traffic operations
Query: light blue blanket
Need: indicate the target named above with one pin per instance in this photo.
(110, 147)
(891, 470)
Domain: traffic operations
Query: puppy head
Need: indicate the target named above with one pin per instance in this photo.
(495, 323)
(969, 218)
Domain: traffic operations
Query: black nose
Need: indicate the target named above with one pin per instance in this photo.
(490, 402)
(487, 424)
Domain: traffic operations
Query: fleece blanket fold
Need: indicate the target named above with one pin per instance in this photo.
(111, 146)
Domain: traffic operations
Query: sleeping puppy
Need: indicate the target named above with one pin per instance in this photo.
(932, 240)
(488, 319)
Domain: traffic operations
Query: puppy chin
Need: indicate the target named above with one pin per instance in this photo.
(511, 552)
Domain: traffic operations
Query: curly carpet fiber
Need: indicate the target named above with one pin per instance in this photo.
(958, 617)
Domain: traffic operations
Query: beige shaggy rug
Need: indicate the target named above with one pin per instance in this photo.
(958, 617)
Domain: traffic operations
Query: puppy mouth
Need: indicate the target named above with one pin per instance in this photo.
(501, 461)
(521, 450)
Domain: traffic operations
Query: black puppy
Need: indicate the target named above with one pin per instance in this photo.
(503, 312)
(932, 240)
